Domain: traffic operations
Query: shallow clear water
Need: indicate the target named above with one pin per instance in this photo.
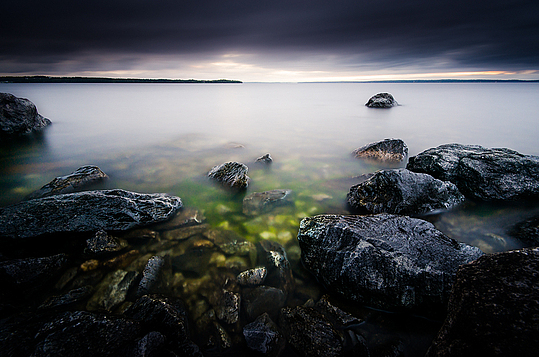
(166, 137)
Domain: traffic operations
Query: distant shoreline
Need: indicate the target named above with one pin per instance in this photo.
(47, 79)
(440, 81)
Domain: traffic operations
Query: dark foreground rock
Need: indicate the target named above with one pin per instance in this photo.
(232, 175)
(387, 261)
(19, 116)
(494, 308)
(263, 335)
(75, 181)
(30, 273)
(260, 202)
(387, 150)
(108, 210)
(481, 173)
(381, 100)
(403, 192)
(527, 231)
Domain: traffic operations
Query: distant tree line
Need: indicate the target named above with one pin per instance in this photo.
(47, 79)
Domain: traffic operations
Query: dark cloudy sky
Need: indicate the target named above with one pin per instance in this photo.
(258, 40)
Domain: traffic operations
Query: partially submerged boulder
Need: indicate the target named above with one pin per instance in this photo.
(232, 175)
(494, 308)
(481, 173)
(401, 191)
(109, 210)
(19, 116)
(381, 100)
(387, 150)
(386, 261)
(260, 202)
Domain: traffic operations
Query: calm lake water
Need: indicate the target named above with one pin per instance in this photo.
(166, 137)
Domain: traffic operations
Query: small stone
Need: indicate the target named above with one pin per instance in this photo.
(253, 277)
(102, 243)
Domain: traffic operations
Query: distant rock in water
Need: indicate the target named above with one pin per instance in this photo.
(387, 150)
(260, 202)
(386, 261)
(481, 173)
(19, 116)
(403, 192)
(265, 159)
(231, 174)
(381, 100)
(89, 211)
(75, 181)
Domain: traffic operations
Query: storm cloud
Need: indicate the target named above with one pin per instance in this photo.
(62, 36)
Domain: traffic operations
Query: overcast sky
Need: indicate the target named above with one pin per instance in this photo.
(258, 40)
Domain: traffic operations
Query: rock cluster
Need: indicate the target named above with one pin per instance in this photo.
(19, 116)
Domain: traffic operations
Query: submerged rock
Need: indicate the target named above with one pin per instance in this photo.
(79, 179)
(112, 291)
(232, 175)
(253, 277)
(265, 159)
(387, 261)
(102, 243)
(403, 192)
(263, 335)
(85, 212)
(264, 299)
(387, 150)
(150, 275)
(230, 242)
(381, 100)
(494, 308)
(481, 173)
(260, 202)
(19, 116)
(70, 298)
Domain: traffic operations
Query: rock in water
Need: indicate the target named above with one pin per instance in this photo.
(387, 150)
(387, 261)
(403, 192)
(259, 202)
(381, 100)
(265, 159)
(150, 275)
(231, 174)
(30, 273)
(263, 335)
(19, 116)
(89, 211)
(481, 173)
(75, 181)
(494, 308)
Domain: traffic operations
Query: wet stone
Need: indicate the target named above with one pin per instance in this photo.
(184, 232)
(150, 275)
(228, 310)
(261, 202)
(187, 216)
(229, 242)
(264, 299)
(150, 345)
(112, 291)
(253, 277)
(381, 100)
(264, 159)
(102, 243)
(19, 116)
(263, 335)
(232, 175)
(278, 260)
(70, 298)
(31, 273)
(387, 150)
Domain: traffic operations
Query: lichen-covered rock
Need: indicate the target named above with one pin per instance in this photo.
(387, 150)
(404, 192)
(494, 308)
(89, 211)
(386, 261)
(263, 335)
(77, 180)
(19, 116)
(260, 202)
(381, 100)
(481, 173)
(232, 175)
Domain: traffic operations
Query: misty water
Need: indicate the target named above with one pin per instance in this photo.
(166, 137)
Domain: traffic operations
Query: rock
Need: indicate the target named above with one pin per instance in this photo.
(381, 100)
(263, 335)
(526, 231)
(112, 291)
(79, 179)
(481, 173)
(150, 275)
(265, 159)
(232, 175)
(85, 212)
(278, 260)
(260, 202)
(404, 192)
(387, 261)
(30, 273)
(185, 232)
(150, 345)
(228, 308)
(387, 150)
(229, 242)
(19, 116)
(264, 299)
(185, 217)
(102, 243)
(70, 298)
(252, 277)
(85, 334)
(494, 307)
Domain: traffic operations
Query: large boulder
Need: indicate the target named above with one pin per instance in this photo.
(381, 100)
(232, 175)
(19, 116)
(401, 191)
(387, 150)
(481, 173)
(387, 261)
(494, 308)
(89, 211)
(75, 181)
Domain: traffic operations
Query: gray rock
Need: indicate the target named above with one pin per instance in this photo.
(19, 116)
(112, 291)
(404, 192)
(265, 159)
(260, 202)
(494, 308)
(150, 345)
(381, 100)
(232, 175)
(264, 299)
(185, 217)
(481, 173)
(150, 275)
(387, 150)
(253, 277)
(228, 308)
(102, 243)
(278, 261)
(31, 273)
(230, 242)
(85, 212)
(79, 179)
(386, 261)
(263, 335)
